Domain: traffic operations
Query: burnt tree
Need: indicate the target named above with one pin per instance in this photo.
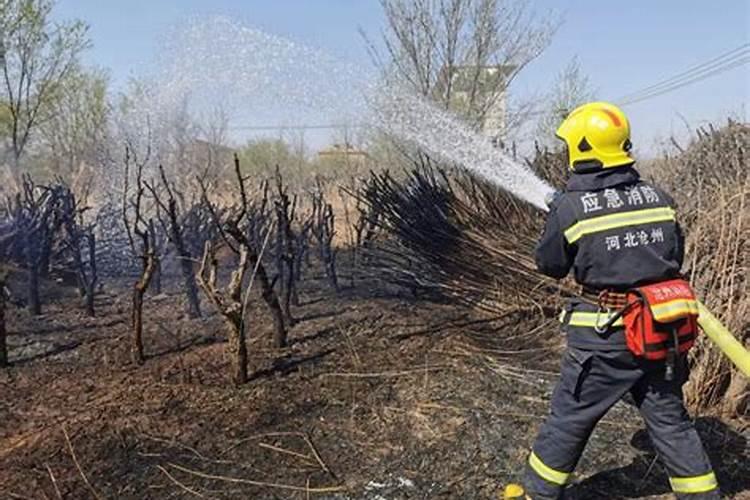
(323, 228)
(7, 236)
(260, 217)
(231, 302)
(138, 227)
(356, 222)
(198, 227)
(34, 214)
(89, 278)
(285, 246)
(300, 252)
(173, 225)
(235, 230)
(80, 241)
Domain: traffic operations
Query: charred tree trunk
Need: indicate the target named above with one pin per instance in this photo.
(136, 322)
(301, 246)
(90, 311)
(145, 252)
(324, 231)
(266, 286)
(285, 251)
(238, 352)
(173, 227)
(45, 256)
(3, 333)
(230, 305)
(31, 250)
(74, 236)
(139, 290)
(289, 291)
(279, 258)
(329, 253)
(272, 301)
(193, 304)
(156, 277)
(91, 280)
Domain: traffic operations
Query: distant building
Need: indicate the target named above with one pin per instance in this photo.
(483, 82)
(343, 154)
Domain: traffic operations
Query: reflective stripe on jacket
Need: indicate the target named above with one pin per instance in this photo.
(614, 231)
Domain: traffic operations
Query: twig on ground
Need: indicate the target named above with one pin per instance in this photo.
(54, 481)
(172, 442)
(258, 436)
(179, 484)
(390, 374)
(78, 465)
(17, 496)
(285, 451)
(288, 487)
(318, 457)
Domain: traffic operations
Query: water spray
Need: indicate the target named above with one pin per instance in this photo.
(412, 118)
(253, 71)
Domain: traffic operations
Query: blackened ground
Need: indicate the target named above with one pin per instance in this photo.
(376, 398)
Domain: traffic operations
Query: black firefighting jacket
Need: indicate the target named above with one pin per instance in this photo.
(615, 231)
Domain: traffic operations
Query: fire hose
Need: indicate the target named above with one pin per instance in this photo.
(724, 340)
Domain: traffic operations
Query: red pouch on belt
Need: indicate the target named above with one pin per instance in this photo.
(658, 315)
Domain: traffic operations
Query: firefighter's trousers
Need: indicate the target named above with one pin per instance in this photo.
(590, 383)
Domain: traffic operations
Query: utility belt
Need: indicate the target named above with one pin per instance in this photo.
(606, 299)
(660, 319)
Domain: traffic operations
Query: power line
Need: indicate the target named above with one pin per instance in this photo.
(729, 60)
(690, 81)
(738, 51)
(299, 127)
(697, 76)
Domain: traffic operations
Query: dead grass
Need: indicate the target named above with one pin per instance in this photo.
(710, 180)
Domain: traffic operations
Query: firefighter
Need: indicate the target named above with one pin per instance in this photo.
(616, 232)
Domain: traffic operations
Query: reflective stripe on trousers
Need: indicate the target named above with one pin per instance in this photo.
(548, 473)
(694, 484)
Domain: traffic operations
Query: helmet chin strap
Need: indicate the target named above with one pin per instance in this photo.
(587, 166)
(592, 166)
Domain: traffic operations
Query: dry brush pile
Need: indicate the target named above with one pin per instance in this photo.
(451, 235)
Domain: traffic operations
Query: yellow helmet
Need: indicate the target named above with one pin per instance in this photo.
(597, 135)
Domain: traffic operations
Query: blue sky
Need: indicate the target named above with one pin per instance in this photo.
(622, 46)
